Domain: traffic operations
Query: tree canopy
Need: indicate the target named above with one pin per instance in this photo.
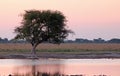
(42, 26)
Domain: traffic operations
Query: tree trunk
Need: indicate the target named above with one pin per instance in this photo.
(33, 51)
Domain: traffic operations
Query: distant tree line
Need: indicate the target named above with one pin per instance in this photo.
(99, 40)
(5, 40)
(77, 40)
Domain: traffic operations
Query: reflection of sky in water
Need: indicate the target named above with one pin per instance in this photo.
(88, 67)
(57, 61)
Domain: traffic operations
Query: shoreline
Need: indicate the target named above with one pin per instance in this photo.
(63, 51)
(63, 56)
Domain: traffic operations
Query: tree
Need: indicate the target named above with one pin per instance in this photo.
(114, 40)
(42, 26)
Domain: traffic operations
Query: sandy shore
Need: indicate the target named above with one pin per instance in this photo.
(63, 56)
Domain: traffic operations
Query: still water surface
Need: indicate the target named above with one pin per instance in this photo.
(57, 67)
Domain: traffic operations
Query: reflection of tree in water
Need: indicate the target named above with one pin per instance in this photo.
(42, 70)
(35, 72)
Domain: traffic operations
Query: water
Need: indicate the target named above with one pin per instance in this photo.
(57, 67)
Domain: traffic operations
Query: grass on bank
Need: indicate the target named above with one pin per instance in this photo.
(63, 48)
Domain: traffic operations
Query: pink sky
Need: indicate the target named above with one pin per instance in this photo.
(87, 18)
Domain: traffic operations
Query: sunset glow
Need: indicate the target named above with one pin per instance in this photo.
(87, 18)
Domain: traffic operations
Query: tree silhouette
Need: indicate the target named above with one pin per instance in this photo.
(42, 26)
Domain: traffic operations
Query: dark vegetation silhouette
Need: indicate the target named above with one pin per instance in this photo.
(99, 40)
(5, 40)
(42, 26)
(115, 40)
(78, 40)
(48, 74)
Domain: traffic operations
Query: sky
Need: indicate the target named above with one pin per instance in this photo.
(88, 19)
